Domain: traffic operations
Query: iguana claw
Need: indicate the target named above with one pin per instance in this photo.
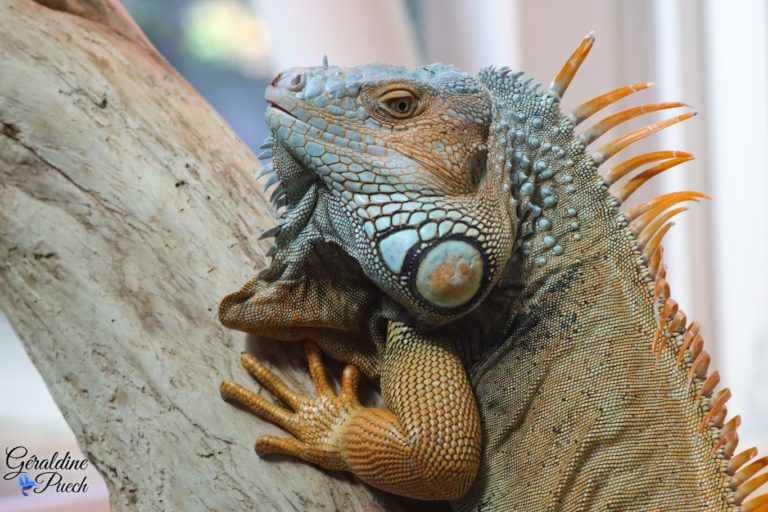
(316, 423)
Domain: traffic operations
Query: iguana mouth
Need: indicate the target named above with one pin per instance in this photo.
(278, 107)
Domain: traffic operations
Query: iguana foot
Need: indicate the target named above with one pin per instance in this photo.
(316, 423)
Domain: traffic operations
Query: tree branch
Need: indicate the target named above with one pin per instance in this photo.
(129, 210)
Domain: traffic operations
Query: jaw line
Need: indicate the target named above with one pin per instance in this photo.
(275, 106)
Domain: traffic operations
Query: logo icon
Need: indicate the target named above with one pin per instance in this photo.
(25, 483)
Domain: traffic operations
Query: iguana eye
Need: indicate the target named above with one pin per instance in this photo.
(400, 103)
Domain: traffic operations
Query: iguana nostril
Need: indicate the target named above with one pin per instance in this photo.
(276, 79)
(296, 83)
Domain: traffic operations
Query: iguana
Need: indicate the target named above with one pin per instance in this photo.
(450, 237)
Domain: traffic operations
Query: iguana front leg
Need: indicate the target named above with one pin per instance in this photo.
(425, 444)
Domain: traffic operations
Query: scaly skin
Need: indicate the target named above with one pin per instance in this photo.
(451, 238)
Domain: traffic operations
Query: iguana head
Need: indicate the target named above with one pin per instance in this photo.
(391, 166)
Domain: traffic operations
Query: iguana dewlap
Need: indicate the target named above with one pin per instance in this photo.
(451, 238)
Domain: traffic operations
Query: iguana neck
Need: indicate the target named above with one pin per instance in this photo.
(574, 394)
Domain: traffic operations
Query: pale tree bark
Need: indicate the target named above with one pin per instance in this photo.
(127, 210)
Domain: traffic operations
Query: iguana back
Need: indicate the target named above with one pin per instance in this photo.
(599, 396)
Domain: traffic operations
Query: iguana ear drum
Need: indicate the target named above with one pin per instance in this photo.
(450, 274)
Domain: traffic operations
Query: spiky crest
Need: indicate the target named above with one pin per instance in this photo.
(649, 223)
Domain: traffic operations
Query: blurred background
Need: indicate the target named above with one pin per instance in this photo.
(711, 54)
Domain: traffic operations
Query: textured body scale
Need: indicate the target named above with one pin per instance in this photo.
(590, 420)
(592, 389)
